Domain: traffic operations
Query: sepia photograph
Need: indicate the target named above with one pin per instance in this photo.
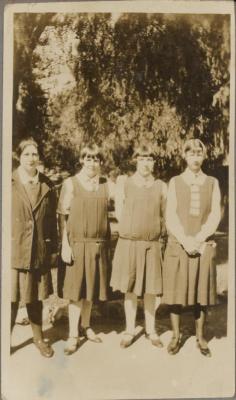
(118, 200)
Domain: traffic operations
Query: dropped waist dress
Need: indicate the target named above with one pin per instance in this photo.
(191, 280)
(137, 264)
(88, 235)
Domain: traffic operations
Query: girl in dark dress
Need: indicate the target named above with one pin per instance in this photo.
(137, 264)
(34, 240)
(83, 211)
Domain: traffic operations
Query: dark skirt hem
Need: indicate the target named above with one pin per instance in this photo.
(189, 280)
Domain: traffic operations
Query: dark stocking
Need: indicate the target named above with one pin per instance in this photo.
(14, 310)
(200, 316)
(35, 311)
(175, 312)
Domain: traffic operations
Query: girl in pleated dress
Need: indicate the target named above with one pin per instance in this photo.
(83, 211)
(137, 264)
(192, 216)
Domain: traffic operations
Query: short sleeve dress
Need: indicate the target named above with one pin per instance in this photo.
(88, 234)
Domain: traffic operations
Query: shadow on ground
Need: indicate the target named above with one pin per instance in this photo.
(108, 317)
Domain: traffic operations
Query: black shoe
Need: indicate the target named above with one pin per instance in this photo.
(174, 346)
(154, 339)
(90, 334)
(44, 347)
(205, 351)
(24, 321)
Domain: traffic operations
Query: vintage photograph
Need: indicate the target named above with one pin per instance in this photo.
(118, 256)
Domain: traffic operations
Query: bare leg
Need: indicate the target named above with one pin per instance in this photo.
(150, 311)
(130, 304)
(86, 313)
(157, 302)
(85, 322)
(74, 309)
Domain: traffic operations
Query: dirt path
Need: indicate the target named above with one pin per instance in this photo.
(105, 371)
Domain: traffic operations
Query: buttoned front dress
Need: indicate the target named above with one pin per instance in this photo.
(88, 234)
(190, 280)
(137, 264)
(34, 238)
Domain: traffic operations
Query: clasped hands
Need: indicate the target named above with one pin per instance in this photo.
(192, 245)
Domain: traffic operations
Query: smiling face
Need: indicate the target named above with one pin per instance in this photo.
(145, 165)
(194, 158)
(29, 159)
(91, 164)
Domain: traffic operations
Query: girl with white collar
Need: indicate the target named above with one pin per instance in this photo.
(83, 210)
(192, 216)
(137, 264)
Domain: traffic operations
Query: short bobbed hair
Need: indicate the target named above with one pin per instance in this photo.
(91, 149)
(24, 143)
(144, 150)
(193, 144)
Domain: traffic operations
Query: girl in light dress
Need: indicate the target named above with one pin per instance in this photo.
(192, 216)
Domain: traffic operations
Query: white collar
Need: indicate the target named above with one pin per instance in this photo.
(143, 181)
(88, 183)
(26, 178)
(191, 178)
(85, 178)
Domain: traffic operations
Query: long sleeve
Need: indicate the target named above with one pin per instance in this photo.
(119, 196)
(173, 223)
(214, 217)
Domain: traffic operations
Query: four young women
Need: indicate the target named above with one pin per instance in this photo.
(186, 276)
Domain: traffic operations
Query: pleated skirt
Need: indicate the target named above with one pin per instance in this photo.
(30, 286)
(137, 267)
(86, 278)
(189, 280)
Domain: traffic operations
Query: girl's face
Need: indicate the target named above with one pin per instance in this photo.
(91, 165)
(29, 159)
(194, 159)
(145, 165)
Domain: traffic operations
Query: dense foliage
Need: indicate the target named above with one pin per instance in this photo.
(119, 79)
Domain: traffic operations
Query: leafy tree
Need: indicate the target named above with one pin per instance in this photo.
(29, 100)
(163, 77)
